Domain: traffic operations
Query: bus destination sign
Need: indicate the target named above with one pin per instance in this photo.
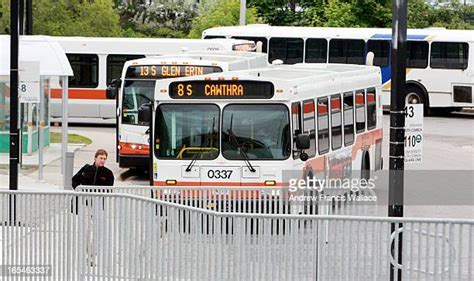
(169, 71)
(221, 90)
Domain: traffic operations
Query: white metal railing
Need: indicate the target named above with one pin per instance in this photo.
(125, 237)
(262, 200)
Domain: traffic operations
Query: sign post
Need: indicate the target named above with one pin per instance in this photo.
(397, 129)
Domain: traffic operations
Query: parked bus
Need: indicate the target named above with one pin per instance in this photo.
(246, 128)
(96, 61)
(440, 63)
(138, 88)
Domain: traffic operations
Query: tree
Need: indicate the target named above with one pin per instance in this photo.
(156, 19)
(224, 13)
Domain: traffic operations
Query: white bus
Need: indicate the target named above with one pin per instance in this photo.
(440, 63)
(138, 88)
(246, 128)
(96, 61)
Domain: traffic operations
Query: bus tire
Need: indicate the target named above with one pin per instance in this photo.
(415, 95)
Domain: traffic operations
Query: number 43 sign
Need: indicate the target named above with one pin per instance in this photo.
(29, 86)
(413, 133)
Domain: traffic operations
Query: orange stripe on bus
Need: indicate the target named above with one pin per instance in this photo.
(336, 103)
(81, 94)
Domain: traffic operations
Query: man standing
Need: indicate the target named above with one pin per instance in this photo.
(95, 174)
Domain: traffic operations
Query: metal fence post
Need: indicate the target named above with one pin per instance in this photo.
(68, 170)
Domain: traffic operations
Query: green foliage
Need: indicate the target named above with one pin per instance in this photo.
(75, 17)
(224, 13)
(158, 19)
(4, 16)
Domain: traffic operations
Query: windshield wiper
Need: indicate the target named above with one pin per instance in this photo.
(236, 142)
(201, 148)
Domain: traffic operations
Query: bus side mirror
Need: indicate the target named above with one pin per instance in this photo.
(302, 141)
(144, 114)
(111, 92)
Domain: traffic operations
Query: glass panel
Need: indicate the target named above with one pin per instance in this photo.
(261, 131)
(135, 94)
(115, 65)
(289, 50)
(449, 55)
(371, 109)
(360, 111)
(348, 119)
(309, 126)
(336, 121)
(417, 56)
(347, 51)
(381, 50)
(187, 131)
(323, 126)
(86, 70)
(316, 50)
(255, 39)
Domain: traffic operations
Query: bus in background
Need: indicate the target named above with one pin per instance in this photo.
(138, 89)
(96, 61)
(440, 63)
(247, 128)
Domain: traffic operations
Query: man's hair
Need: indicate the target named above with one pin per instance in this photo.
(101, 152)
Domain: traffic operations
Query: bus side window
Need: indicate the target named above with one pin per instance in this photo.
(381, 50)
(351, 51)
(417, 54)
(348, 118)
(316, 50)
(323, 126)
(371, 109)
(360, 111)
(309, 126)
(115, 65)
(289, 50)
(255, 39)
(336, 122)
(86, 70)
(296, 120)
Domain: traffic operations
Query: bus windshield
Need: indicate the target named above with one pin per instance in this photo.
(187, 131)
(262, 131)
(135, 94)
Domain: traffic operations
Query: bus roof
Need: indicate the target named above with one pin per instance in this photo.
(232, 59)
(301, 73)
(263, 30)
(146, 46)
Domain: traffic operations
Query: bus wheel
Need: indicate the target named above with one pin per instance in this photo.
(414, 95)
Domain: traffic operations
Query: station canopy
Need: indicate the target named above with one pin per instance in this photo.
(53, 60)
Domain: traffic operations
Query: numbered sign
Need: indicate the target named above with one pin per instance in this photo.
(29, 82)
(413, 133)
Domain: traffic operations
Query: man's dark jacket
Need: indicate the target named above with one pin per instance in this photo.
(91, 175)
